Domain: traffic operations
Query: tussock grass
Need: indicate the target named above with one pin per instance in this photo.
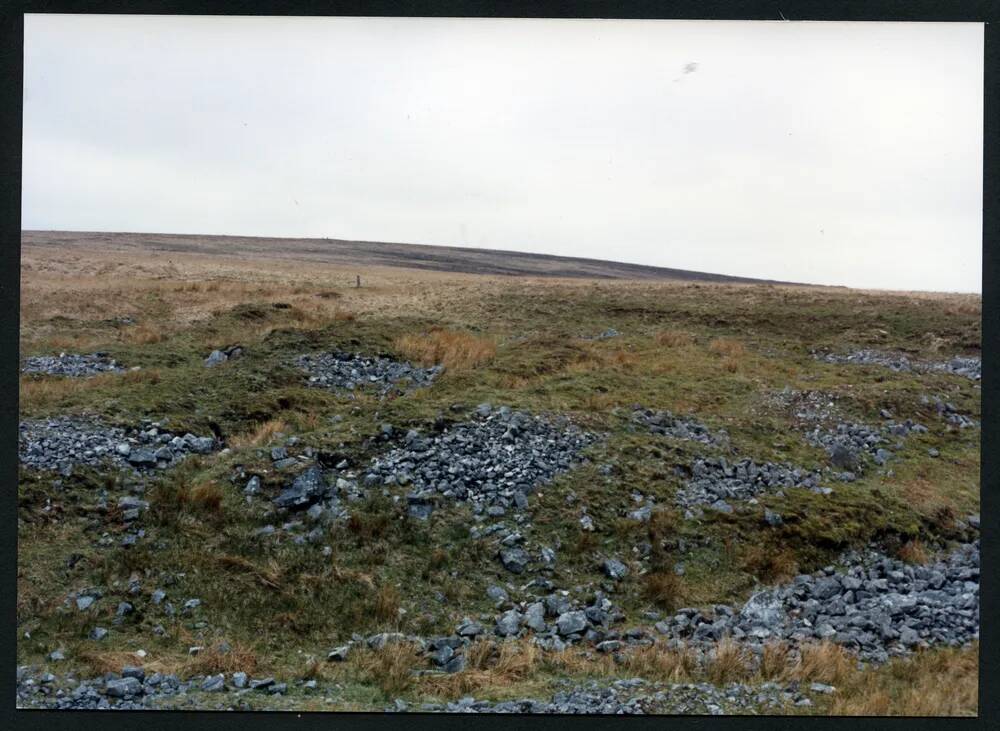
(728, 348)
(260, 434)
(674, 338)
(489, 665)
(455, 350)
(218, 659)
(730, 663)
(932, 683)
(823, 662)
(770, 563)
(390, 668)
(914, 552)
(387, 603)
(665, 589)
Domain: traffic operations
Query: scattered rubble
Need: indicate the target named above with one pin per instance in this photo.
(665, 423)
(63, 442)
(73, 365)
(971, 368)
(713, 481)
(878, 607)
(495, 460)
(340, 371)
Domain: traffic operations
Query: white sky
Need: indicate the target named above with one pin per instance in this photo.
(834, 153)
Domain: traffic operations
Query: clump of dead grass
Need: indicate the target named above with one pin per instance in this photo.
(260, 433)
(674, 338)
(390, 667)
(769, 563)
(387, 603)
(143, 335)
(221, 659)
(913, 552)
(930, 683)
(665, 589)
(488, 664)
(729, 663)
(453, 349)
(727, 347)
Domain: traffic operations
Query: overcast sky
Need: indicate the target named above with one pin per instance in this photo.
(833, 153)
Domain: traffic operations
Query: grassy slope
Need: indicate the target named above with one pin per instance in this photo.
(280, 603)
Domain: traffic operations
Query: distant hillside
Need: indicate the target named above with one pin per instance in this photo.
(376, 253)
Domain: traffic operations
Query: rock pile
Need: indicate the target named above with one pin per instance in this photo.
(557, 620)
(971, 368)
(339, 371)
(877, 607)
(221, 356)
(494, 461)
(713, 481)
(634, 696)
(131, 689)
(71, 364)
(949, 412)
(665, 423)
(848, 445)
(609, 333)
(62, 442)
(319, 494)
(809, 406)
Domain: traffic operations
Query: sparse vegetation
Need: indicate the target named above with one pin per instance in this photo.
(506, 341)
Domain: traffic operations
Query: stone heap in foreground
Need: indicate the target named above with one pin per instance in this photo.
(66, 441)
(878, 607)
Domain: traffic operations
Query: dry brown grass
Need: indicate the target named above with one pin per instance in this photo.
(218, 659)
(489, 665)
(914, 552)
(201, 497)
(112, 661)
(270, 576)
(453, 349)
(674, 338)
(775, 661)
(823, 662)
(390, 668)
(387, 603)
(932, 683)
(727, 348)
(43, 392)
(144, 335)
(730, 663)
(35, 392)
(261, 433)
(769, 563)
(662, 664)
(664, 588)
(925, 496)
